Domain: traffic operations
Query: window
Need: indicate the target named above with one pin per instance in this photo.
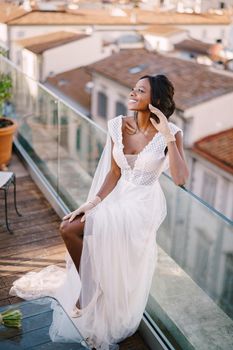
(78, 138)
(102, 104)
(222, 34)
(137, 69)
(209, 185)
(18, 58)
(204, 34)
(227, 291)
(202, 257)
(54, 112)
(55, 116)
(222, 5)
(64, 137)
(232, 209)
(120, 108)
(230, 65)
(20, 34)
(99, 150)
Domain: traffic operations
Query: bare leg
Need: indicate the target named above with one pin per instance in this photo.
(72, 234)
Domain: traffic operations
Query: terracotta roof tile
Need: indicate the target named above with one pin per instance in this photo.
(174, 18)
(72, 84)
(9, 12)
(194, 46)
(194, 83)
(103, 16)
(81, 17)
(162, 30)
(41, 43)
(218, 149)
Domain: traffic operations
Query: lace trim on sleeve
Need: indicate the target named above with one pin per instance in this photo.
(113, 129)
(174, 128)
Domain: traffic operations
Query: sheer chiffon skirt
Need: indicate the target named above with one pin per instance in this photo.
(118, 261)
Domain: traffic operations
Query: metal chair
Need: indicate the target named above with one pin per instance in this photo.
(6, 179)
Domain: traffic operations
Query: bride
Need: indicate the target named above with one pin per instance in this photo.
(111, 239)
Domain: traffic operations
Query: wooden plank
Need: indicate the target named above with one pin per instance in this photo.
(36, 242)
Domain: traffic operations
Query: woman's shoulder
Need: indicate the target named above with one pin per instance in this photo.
(115, 119)
(120, 118)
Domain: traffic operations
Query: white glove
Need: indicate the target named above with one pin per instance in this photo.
(163, 126)
(84, 208)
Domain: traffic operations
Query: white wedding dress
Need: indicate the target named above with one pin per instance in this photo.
(119, 251)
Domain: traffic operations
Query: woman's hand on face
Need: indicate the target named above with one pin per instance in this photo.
(162, 126)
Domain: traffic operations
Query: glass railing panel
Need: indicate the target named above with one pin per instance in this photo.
(36, 113)
(23, 92)
(80, 145)
(192, 290)
(191, 296)
(38, 134)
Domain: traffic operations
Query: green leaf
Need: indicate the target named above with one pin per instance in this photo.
(11, 318)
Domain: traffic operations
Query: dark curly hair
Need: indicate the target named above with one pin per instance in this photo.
(162, 92)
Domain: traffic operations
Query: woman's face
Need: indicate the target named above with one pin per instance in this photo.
(140, 96)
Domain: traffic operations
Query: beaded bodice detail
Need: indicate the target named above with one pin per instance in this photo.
(149, 163)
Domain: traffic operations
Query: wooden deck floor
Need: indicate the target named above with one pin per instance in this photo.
(36, 242)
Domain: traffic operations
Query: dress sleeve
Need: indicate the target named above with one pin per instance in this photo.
(174, 128)
(114, 128)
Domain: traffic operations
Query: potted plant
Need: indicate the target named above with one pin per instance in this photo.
(7, 125)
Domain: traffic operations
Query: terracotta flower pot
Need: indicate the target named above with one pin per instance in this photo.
(7, 130)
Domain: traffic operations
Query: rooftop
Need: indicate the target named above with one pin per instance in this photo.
(174, 18)
(194, 83)
(13, 15)
(39, 44)
(72, 83)
(8, 12)
(162, 30)
(217, 148)
(193, 45)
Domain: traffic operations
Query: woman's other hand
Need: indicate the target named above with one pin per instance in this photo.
(84, 208)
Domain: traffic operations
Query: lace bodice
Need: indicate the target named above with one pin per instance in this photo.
(149, 163)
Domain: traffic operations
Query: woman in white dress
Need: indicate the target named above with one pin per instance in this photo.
(113, 234)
